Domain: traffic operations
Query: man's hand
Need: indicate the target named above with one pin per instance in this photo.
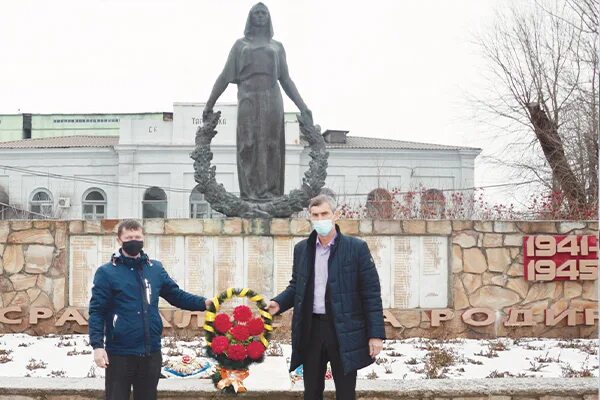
(101, 358)
(273, 307)
(208, 303)
(375, 347)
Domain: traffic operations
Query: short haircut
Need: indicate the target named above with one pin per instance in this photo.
(129, 225)
(322, 199)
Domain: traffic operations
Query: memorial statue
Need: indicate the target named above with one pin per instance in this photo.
(256, 64)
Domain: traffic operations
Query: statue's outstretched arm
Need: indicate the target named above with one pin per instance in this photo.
(290, 89)
(218, 89)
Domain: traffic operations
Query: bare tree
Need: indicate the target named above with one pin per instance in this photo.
(588, 12)
(544, 85)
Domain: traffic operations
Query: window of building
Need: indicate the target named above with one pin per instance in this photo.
(199, 208)
(433, 204)
(41, 203)
(380, 204)
(154, 204)
(94, 204)
(96, 120)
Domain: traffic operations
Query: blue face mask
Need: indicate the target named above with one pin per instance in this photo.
(323, 226)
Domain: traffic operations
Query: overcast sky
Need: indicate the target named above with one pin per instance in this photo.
(397, 69)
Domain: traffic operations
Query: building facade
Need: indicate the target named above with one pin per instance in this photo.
(93, 166)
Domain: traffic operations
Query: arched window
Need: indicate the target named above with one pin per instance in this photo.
(199, 208)
(154, 204)
(379, 204)
(433, 204)
(41, 203)
(94, 204)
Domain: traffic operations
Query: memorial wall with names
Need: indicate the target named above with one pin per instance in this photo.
(439, 278)
(412, 269)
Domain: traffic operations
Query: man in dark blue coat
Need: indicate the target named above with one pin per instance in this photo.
(124, 312)
(336, 297)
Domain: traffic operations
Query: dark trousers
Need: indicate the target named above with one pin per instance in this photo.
(141, 372)
(322, 347)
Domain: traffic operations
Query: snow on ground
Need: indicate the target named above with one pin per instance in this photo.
(71, 356)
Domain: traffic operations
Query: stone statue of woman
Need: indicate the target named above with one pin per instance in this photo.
(256, 64)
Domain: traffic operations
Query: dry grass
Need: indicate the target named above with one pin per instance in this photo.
(546, 359)
(372, 375)
(274, 350)
(490, 353)
(438, 361)
(5, 356)
(394, 354)
(35, 364)
(497, 345)
(570, 372)
(74, 352)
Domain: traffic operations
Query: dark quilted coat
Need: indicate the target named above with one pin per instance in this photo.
(353, 299)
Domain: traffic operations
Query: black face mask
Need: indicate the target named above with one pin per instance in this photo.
(133, 247)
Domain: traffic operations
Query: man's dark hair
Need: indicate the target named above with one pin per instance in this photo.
(129, 225)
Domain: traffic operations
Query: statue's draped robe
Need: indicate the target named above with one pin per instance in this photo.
(260, 124)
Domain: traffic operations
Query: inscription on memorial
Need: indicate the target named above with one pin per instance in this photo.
(413, 270)
(199, 252)
(560, 257)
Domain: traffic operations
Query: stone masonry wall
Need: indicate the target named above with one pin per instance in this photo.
(485, 260)
(33, 268)
(487, 271)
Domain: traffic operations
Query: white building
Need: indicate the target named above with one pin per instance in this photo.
(139, 165)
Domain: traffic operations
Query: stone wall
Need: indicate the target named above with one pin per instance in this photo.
(484, 269)
(33, 269)
(487, 271)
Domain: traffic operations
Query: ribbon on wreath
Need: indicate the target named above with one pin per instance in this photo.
(233, 377)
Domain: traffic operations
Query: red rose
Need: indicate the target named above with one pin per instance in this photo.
(256, 326)
(219, 344)
(236, 352)
(256, 350)
(242, 314)
(240, 333)
(222, 323)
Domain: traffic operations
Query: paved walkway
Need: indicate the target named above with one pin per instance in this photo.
(504, 388)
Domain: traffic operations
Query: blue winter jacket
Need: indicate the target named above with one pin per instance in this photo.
(124, 305)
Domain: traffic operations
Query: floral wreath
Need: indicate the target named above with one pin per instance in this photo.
(238, 343)
(232, 206)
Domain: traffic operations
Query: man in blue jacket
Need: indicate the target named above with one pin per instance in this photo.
(336, 297)
(125, 326)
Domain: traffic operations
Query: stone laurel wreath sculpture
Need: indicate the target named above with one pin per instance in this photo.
(281, 207)
(238, 343)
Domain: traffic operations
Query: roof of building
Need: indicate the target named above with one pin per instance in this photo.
(62, 142)
(352, 142)
(358, 142)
